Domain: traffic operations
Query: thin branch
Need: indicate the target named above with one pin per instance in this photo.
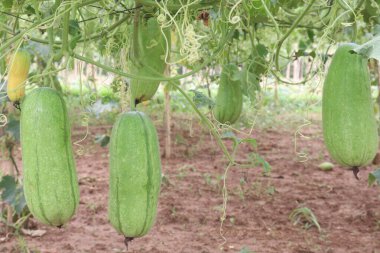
(16, 16)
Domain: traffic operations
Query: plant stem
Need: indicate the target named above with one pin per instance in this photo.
(295, 24)
(147, 78)
(176, 7)
(66, 27)
(207, 122)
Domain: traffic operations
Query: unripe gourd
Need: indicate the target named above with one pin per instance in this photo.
(17, 75)
(349, 124)
(148, 58)
(229, 99)
(50, 179)
(135, 175)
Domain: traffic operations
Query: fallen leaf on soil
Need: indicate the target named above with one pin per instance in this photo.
(33, 233)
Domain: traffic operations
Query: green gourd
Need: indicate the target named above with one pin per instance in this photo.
(148, 58)
(50, 180)
(229, 99)
(135, 175)
(349, 124)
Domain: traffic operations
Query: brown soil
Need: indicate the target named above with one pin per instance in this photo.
(258, 206)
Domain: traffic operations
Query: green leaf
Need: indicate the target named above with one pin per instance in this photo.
(302, 46)
(262, 51)
(230, 135)
(370, 49)
(260, 161)
(13, 128)
(7, 4)
(374, 177)
(12, 193)
(252, 142)
(310, 34)
(74, 41)
(250, 84)
(8, 184)
(201, 100)
(74, 29)
(30, 10)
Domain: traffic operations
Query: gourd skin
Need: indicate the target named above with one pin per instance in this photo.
(229, 99)
(349, 124)
(150, 60)
(135, 174)
(50, 180)
(17, 75)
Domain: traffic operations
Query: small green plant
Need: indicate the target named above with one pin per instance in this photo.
(165, 181)
(173, 212)
(258, 189)
(184, 171)
(271, 190)
(22, 245)
(246, 250)
(305, 217)
(214, 182)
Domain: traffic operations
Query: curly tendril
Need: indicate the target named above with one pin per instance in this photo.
(3, 120)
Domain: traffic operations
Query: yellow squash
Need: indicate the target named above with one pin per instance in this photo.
(17, 75)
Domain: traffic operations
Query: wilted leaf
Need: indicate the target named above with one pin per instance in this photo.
(33, 233)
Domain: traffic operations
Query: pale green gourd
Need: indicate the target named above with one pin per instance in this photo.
(349, 124)
(49, 174)
(135, 175)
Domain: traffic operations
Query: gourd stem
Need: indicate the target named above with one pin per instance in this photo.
(132, 102)
(135, 50)
(355, 170)
(127, 240)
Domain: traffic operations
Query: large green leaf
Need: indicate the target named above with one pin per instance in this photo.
(7, 4)
(370, 49)
(12, 193)
(13, 128)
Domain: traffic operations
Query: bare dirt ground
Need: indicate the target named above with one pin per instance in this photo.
(258, 208)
